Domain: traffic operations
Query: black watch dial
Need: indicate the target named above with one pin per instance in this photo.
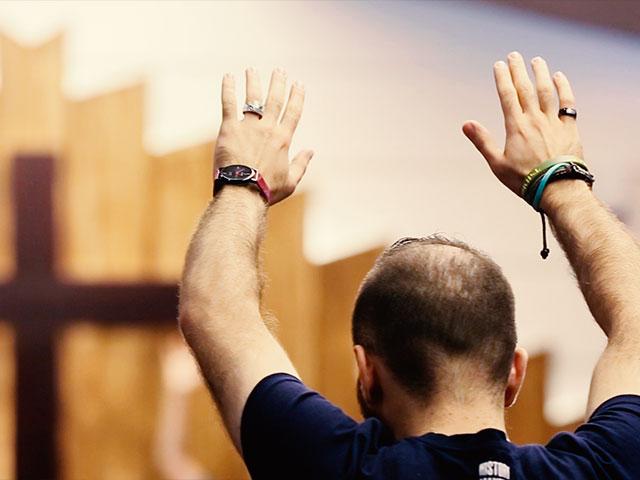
(236, 173)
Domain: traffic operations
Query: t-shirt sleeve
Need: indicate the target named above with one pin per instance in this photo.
(290, 431)
(609, 442)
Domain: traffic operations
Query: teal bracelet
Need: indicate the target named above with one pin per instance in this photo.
(538, 171)
(543, 183)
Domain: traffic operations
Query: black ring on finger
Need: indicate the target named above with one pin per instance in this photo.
(568, 112)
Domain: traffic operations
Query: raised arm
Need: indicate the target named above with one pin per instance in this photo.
(603, 254)
(220, 295)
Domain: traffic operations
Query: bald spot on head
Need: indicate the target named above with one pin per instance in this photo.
(430, 307)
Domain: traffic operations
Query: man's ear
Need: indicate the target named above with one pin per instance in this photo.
(516, 376)
(366, 372)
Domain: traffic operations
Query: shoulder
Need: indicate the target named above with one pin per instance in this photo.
(607, 444)
(614, 423)
(282, 399)
(291, 431)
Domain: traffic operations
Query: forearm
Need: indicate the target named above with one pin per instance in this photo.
(221, 286)
(604, 256)
(221, 268)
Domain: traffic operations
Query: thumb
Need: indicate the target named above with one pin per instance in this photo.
(298, 166)
(481, 139)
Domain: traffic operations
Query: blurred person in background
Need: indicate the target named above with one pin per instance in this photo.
(179, 380)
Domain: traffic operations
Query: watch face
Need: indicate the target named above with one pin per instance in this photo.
(236, 173)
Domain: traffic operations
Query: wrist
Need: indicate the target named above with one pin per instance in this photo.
(564, 193)
(244, 175)
(245, 195)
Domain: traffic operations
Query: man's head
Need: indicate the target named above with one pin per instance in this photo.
(438, 314)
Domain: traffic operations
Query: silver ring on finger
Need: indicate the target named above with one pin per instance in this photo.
(255, 108)
(568, 112)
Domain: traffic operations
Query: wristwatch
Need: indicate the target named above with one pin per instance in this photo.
(241, 175)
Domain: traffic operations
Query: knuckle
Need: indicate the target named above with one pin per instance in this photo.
(539, 120)
(285, 141)
(508, 97)
(507, 94)
(280, 139)
(526, 92)
(522, 129)
(292, 123)
(277, 104)
(263, 129)
(225, 133)
(294, 112)
(545, 92)
(509, 101)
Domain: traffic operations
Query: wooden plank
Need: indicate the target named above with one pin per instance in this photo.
(109, 402)
(290, 286)
(7, 404)
(103, 188)
(109, 375)
(31, 119)
(179, 193)
(340, 282)
(525, 420)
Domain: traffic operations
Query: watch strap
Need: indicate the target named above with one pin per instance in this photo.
(264, 188)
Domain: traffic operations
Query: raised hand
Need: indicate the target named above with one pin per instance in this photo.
(535, 131)
(262, 141)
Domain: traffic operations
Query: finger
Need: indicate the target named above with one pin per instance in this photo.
(229, 106)
(298, 166)
(482, 140)
(565, 94)
(254, 91)
(522, 82)
(276, 95)
(544, 86)
(293, 111)
(507, 93)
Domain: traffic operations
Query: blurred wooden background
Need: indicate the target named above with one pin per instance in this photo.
(124, 215)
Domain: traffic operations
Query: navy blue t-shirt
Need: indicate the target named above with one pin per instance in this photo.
(289, 431)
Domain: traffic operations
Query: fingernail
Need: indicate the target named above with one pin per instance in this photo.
(499, 64)
(228, 76)
(558, 74)
(281, 71)
(299, 85)
(514, 55)
(536, 59)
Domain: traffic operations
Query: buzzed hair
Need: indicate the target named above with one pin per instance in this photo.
(430, 300)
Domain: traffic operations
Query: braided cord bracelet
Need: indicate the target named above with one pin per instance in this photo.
(562, 167)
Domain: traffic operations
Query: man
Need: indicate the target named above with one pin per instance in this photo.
(433, 323)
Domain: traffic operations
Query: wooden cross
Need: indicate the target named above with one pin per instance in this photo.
(37, 303)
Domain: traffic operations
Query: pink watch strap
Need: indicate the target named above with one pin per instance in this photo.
(264, 188)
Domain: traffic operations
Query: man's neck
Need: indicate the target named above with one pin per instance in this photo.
(448, 416)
